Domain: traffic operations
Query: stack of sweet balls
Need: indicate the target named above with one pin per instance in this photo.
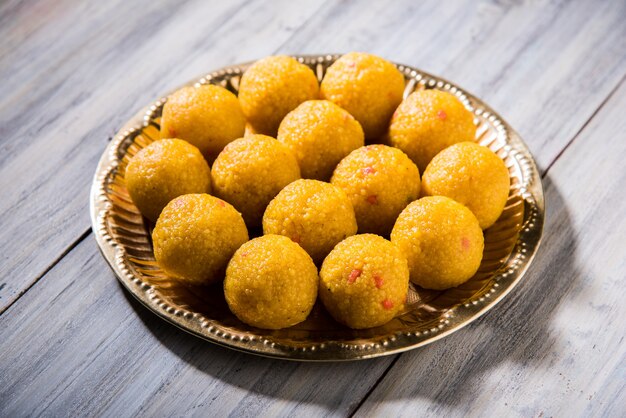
(289, 158)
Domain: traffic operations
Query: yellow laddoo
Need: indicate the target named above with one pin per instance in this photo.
(195, 237)
(380, 181)
(208, 117)
(250, 171)
(164, 170)
(312, 213)
(364, 281)
(271, 282)
(441, 240)
(429, 121)
(367, 86)
(472, 175)
(320, 134)
(273, 87)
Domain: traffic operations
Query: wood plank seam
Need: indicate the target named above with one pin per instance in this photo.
(304, 23)
(56, 261)
(375, 385)
(584, 125)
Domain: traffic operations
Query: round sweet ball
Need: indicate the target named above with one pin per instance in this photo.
(320, 134)
(273, 87)
(250, 171)
(195, 237)
(380, 181)
(472, 175)
(163, 170)
(429, 121)
(364, 281)
(312, 213)
(271, 283)
(441, 240)
(207, 116)
(367, 86)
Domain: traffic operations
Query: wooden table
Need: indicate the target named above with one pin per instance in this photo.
(73, 342)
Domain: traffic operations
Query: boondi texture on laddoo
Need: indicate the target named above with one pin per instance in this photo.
(320, 134)
(312, 213)
(250, 171)
(367, 86)
(428, 121)
(164, 170)
(380, 181)
(441, 240)
(364, 281)
(271, 282)
(472, 175)
(273, 87)
(195, 237)
(207, 116)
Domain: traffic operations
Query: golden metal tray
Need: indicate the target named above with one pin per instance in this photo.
(124, 239)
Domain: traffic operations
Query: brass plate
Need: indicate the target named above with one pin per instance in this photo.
(510, 245)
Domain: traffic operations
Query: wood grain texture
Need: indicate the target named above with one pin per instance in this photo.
(75, 344)
(555, 346)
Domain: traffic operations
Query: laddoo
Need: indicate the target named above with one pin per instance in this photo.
(163, 170)
(428, 121)
(380, 181)
(195, 236)
(441, 240)
(314, 214)
(364, 281)
(320, 134)
(207, 116)
(472, 175)
(367, 86)
(271, 282)
(250, 171)
(273, 87)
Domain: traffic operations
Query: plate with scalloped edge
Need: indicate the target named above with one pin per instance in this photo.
(123, 236)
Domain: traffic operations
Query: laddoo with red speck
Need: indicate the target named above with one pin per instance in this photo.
(428, 121)
(380, 181)
(364, 281)
(441, 240)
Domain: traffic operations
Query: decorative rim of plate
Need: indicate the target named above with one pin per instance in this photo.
(505, 279)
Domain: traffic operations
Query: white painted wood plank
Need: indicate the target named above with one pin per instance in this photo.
(555, 346)
(77, 344)
(56, 115)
